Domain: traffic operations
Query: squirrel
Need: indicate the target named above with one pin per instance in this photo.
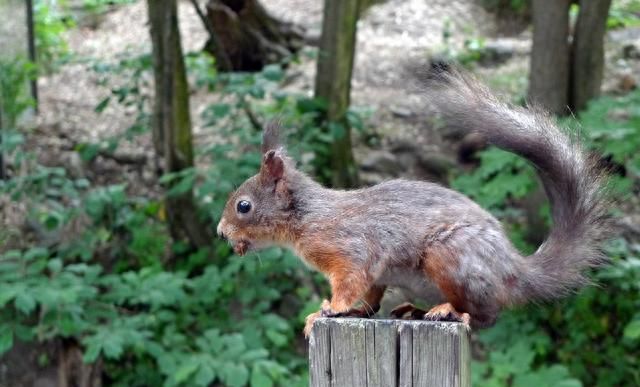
(417, 234)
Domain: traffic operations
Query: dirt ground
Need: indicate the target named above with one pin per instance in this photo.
(391, 36)
(394, 38)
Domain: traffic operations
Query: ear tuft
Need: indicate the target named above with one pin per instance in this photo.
(271, 136)
(272, 166)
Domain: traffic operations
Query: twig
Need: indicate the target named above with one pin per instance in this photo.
(252, 117)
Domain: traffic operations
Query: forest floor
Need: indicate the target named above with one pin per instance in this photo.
(394, 38)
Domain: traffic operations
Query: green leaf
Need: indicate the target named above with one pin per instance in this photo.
(112, 348)
(277, 338)
(632, 330)
(205, 375)
(102, 105)
(311, 105)
(6, 339)
(220, 110)
(273, 72)
(36, 252)
(25, 303)
(183, 186)
(185, 371)
(235, 374)
(260, 379)
(88, 152)
(91, 353)
(55, 265)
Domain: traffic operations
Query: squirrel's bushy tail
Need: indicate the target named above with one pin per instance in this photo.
(570, 177)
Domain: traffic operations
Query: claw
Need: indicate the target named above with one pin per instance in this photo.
(408, 311)
(446, 312)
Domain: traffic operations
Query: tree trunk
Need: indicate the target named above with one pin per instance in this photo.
(587, 61)
(171, 117)
(244, 37)
(333, 82)
(549, 74)
(156, 27)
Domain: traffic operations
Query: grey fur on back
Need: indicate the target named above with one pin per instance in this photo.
(570, 177)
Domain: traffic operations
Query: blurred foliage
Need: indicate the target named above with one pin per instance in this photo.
(624, 13)
(471, 52)
(15, 94)
(593, 337)
(51, 21)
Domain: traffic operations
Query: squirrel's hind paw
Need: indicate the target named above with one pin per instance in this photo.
(446, 312)
(408, 311)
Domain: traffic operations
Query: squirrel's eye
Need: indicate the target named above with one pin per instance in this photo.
(244, 206)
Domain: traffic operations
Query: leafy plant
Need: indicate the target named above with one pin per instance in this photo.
(15, 96)
(51, 21)
(153, 311)
(623, 14)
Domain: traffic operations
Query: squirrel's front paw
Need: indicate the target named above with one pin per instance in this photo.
(309, 323)
(324, 311)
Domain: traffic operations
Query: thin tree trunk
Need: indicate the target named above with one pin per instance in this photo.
(587, 61)
(156, 26)
(333, 81)
(549, 74)
(171, 117)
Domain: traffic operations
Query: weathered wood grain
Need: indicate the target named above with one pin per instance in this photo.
(387, 353)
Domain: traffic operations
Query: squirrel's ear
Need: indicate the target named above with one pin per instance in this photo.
(271, 137)
(272, 166)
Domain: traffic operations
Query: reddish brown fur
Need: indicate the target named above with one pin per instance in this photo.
(439, 264)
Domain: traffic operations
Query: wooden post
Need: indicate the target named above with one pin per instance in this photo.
(388, 353)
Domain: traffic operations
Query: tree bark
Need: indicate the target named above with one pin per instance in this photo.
(171, 119)
(587, 61)
(156, 25)
(245, 37)
(549, 73)
(333, 82)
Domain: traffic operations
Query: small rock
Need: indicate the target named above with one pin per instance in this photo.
(404, 146)
(74, 165)
(495, 53)
(400, 111)
(627, 83)
(619, 115)
(312, 36)
(368, 179)
(436, 164)
(631, 51)
(383, 162)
